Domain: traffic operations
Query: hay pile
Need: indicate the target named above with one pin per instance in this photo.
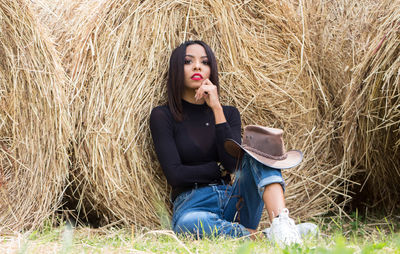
(362, 87)
(339, 34)
(372, 111)
(292, 65)
(120, 51)
(34, 122)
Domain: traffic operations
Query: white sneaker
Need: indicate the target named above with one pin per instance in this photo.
(283, 230)
(305, 230)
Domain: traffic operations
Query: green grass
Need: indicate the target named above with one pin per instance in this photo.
(354, 235)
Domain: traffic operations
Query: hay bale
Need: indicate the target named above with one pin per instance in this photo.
(34, 121)
(115, 174)
(339, 34)
(120, 51)
(372, 112)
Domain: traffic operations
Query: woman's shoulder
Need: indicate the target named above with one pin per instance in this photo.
(160, 120)
(230, 109)
(160, 108)
(231, 113)
(161, 111)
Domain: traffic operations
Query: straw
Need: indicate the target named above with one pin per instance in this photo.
(34, 122)
(373, 115)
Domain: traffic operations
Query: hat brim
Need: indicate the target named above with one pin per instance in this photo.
(294, 157)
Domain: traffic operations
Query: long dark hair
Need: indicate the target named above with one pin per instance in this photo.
(176, 79)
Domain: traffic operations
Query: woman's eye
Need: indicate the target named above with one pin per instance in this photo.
(187, 61)
(206, 62)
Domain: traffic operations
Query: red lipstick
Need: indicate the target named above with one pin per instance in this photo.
(197, 76)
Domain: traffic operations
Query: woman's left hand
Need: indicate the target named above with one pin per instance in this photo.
(209, 92)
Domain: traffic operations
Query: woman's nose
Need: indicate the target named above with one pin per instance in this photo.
(196, 65)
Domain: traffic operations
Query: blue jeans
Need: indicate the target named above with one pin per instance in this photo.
(224, 209)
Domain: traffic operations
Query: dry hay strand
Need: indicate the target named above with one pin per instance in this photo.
(120, 58)
(372, 112)
(34, 123)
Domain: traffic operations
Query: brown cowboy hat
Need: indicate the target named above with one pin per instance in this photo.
(266, 146)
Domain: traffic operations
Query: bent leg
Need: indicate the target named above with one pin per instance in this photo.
(274, 200)
(199, 212)
(253, 181)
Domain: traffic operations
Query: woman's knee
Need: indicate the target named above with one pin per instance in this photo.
(196, 222)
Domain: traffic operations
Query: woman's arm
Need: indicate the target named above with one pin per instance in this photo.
(177, 174)
(227, 122)
(230, 129)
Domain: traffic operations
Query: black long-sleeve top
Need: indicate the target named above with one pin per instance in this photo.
(189, 151)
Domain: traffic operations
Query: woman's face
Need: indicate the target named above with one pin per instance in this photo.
(197, 67)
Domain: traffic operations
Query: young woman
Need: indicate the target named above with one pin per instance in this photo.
(189, 134)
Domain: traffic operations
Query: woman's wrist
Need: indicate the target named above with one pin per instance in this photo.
(217, 107)
(219, 114)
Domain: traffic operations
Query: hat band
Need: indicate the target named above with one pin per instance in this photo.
(278, 158)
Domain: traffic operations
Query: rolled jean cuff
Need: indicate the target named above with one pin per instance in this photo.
(270, 180)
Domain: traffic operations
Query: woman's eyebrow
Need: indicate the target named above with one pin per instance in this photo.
(193, 56)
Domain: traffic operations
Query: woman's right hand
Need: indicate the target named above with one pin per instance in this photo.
(209, 92)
